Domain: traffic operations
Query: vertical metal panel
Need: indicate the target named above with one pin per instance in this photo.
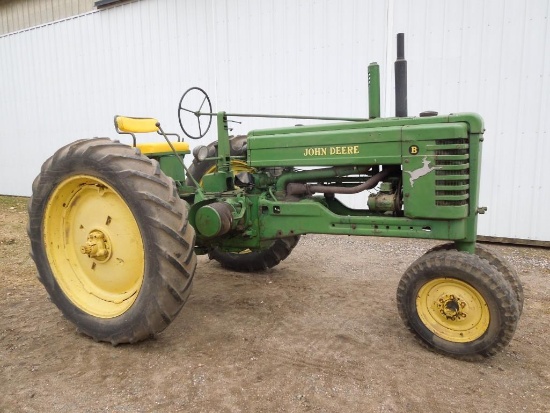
(66, 80)
(137, 59)
(490, 57)
(296, 57)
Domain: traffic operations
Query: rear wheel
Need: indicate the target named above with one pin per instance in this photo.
(246, 260)
(110, 240)
(252, 261)
(458, 304)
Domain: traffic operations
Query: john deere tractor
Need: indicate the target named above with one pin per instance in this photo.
(115, 227)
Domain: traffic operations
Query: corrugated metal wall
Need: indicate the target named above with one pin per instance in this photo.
(490, 57)
(66, 80)
(17, 15)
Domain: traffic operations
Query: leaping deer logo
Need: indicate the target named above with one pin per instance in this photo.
(417, 173)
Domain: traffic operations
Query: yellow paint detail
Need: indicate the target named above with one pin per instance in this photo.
(332, 150)
(453, 310)
(237, 166)
(94, 246)
(150, 148)
(136, 125)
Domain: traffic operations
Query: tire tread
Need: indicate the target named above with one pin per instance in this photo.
(484, 274)
(162, 213)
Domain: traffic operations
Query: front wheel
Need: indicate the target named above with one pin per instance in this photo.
(496, 261)
(458, 304)
(111, 240)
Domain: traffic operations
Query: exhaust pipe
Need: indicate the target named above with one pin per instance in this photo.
(400, 78)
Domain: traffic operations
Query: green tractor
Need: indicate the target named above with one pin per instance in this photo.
(115, 228)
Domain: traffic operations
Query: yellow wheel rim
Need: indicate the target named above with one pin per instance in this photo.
(94, 246)
(452, 310)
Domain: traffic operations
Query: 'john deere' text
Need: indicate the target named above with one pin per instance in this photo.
(333, 150)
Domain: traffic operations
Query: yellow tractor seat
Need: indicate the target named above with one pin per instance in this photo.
(162, 148)
(130, 125)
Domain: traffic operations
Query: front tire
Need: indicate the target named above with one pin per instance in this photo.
(458, 304)
(497, 261)
(111, 241)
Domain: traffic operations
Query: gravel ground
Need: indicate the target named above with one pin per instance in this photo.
(318, 333)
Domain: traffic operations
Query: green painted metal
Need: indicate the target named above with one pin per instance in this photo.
(215, 219)
(374, 90)
(436, 171)
(216, 182)
(208, 221)
(283, 219)
(171, 166)
(437, 181)
(473, 120)
(428, 169)
(332, 146)
(224, 153)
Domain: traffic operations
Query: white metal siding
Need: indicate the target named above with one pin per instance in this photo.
(65, 81)
(490, 57)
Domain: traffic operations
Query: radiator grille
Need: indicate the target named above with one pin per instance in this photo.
(452, 173)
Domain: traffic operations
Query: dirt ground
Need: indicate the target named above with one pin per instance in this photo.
(320, 333)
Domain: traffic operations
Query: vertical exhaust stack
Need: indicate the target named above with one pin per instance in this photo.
(400, 78)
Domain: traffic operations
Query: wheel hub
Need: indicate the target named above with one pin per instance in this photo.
(451, 307)
(97, 246)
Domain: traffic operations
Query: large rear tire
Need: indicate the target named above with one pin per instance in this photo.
(111, 240)
(458, 304)
(246, 260)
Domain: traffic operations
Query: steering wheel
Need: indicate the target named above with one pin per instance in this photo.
(195, 97)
